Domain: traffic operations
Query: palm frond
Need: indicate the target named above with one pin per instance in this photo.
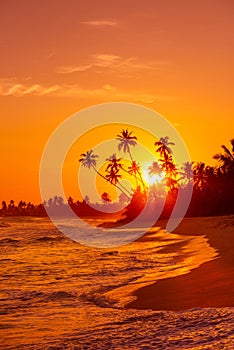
(226, 150)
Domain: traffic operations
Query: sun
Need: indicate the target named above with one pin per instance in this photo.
(156, 178)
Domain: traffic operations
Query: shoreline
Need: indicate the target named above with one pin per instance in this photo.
(209, 285)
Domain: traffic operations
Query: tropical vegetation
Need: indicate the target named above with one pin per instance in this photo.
(213, 186)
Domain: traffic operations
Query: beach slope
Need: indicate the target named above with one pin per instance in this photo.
(209, 285)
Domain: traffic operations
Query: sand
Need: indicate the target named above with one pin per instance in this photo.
(209, 285)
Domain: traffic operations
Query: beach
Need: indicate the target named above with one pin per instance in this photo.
(209, 285)
(164, 291)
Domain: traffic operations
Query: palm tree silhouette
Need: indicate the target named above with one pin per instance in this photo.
(106, 197)
(186, 173)
(126, 140)
(168, 165)
(70, 201)
(199, 176)
(114, 163)
(114, 167)
(164, 146)
(227, 158)
(134, 169)
(4, 207)
(113, 177)
(170, 170)
(11, 207)
(171, 184)
(154, 169)
(89, 160)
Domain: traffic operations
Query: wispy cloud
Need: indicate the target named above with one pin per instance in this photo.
(18, 89)
(104, 93)
(114, 63)
(105, 60)
(72, 69)
(100, 23)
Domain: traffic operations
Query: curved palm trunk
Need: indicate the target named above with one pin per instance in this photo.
(143, 184)
(113, 183)
(130, 154)
(140, 177)
(136, 178)
(125, 189)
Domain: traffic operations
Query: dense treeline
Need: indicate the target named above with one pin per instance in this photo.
(213, 186)
(22, 209)
(56, 206)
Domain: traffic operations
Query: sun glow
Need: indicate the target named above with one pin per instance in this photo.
(151, 179)
(157, 178)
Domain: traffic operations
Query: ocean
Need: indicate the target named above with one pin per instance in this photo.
(59, 294)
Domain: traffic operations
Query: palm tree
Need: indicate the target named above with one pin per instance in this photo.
(70, 201)
(114, 163)
(4, 207)
(113, 168)
(171, 184)
(126, 140)
(50, 202)
(154, 169)
(227, 158)
(106, 197)
(169, 166)
(199, 176)
(60, 201)
(21, 206)
(170, 170)
(186, 173)
(164, 146)
(89, 160)
(134, 169)
(113, 177)
(11, 207)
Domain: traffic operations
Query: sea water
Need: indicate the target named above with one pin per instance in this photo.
(59, 294)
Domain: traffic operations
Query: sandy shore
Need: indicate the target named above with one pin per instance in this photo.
(209, 285)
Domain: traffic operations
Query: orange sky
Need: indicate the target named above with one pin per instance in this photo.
(58, 57)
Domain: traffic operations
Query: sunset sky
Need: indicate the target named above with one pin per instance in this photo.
(58, 57)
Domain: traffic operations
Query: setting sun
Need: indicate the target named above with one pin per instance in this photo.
(117, 174)
(157, 178)
(153, 173)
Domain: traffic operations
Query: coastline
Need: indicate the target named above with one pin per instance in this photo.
(209, 285)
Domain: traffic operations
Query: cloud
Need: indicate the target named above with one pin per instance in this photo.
(97, 60)
(114, 63)
(104, 93)
(100, 23)
(105, 60)
(18, 89)
(72, 69)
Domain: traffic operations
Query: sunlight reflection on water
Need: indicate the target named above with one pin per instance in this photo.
(53, 287)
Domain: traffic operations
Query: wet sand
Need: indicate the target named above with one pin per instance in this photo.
(209, 285)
